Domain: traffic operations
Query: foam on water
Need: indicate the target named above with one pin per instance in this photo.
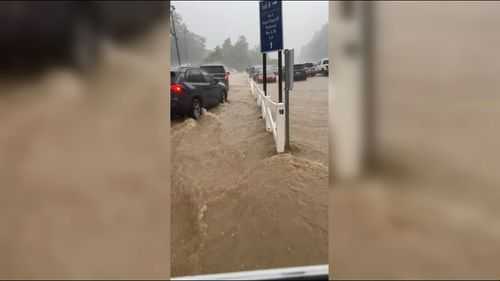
(212, 115)
(184, 127)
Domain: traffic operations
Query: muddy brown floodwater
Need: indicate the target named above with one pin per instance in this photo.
(430, 210)
(236, 203)
(84, 168)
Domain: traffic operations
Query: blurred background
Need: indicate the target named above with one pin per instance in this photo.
(84, 139)
(414, 156)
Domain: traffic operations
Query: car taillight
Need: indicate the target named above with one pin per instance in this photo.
(176, 89)
(226, 76)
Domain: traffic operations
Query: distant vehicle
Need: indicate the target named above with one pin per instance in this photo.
(323, 66)
(310, 70)
(254, 71)
(271, 75)
(192, 89)
(43, 33)
(219, 72)
(251, 69)
(308, 64)
(299, 72)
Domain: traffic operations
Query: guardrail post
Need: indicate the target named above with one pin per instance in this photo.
(280, 129)
(266, 114)
(276, 127)
(262, 107)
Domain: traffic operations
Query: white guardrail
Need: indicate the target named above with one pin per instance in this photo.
(273, 114)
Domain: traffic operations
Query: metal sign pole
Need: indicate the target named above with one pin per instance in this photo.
(287, 120)
(186, 46)
(280, 80)
(172, 10)
(264, 73)
(288, 87)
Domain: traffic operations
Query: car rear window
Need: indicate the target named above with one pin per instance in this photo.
(195, 76)
(298, 66)
(173, 75)
(213, 68)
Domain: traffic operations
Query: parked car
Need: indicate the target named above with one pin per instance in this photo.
(299, 72)
(251, 69)
(44, 33)
(192, 89)
(309, 67)
(254, 71)
(323, 66)
(271, 75)
(219, 72)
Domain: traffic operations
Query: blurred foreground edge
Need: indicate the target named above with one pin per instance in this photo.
(351, 91)
(85, 163)
(316, 272)
(426, 104)
(38, 34)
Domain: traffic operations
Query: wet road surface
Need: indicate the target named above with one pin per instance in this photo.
(236, 204)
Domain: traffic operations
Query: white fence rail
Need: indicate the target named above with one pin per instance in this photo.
(273, 114)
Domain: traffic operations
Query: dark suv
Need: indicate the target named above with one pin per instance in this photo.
(192, 89)
(219, 72)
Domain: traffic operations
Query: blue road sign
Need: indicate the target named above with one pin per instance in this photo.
(271, 26)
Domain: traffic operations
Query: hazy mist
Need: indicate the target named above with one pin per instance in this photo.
(218, 20)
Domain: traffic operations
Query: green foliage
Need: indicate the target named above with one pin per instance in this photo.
(215, 56)
(192, 49)
(191, 45)
(237, 55)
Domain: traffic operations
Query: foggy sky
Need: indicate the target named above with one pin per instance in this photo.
(217, 20)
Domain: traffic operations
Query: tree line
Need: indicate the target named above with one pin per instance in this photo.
(238, 55)
(191, 45)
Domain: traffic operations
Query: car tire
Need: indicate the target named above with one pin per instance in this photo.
(196, 109)
(222, 98)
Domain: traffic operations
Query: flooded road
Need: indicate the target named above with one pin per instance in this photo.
(308, 117)
(236, 203)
